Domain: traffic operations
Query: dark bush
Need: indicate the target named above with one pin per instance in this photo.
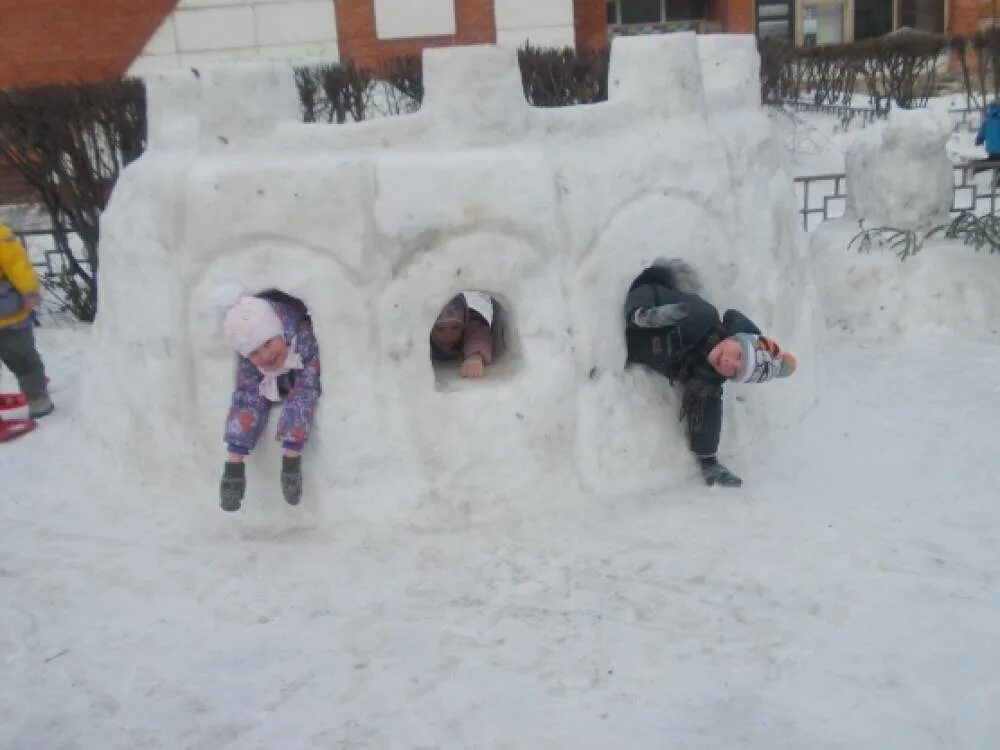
(563, 77)
(71, 143)
(346, 92)
(978, 59)
(898, 68)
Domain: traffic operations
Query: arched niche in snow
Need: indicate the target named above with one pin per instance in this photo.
(521, 419)
(342, 322)
(484, 308)
(619, 447)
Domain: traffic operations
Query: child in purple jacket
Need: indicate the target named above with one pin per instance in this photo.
(278, 359)
(462, 333)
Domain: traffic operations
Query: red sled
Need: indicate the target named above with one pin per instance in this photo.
(14, 416)
(13, 406)
(14, 428)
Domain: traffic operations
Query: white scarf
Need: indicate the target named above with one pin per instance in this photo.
(269, 385)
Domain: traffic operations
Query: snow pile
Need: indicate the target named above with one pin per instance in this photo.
(900, 177)
(946, 289)
(898, 172)
(378, 224)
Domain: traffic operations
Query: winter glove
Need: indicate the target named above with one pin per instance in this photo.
(291, 478)
(234, 486)
(716, 473)
(658, 317)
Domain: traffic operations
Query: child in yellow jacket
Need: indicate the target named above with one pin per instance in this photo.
(19, 295)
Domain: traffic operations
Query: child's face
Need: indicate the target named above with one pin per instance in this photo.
(447, 335)
(270, 354)
(726, 357)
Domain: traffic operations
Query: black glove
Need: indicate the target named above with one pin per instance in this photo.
(291, 478)
(234, 485)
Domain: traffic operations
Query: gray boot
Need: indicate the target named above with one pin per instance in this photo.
(234, 486)
(291, 478)
(716, 473)
(40, 405)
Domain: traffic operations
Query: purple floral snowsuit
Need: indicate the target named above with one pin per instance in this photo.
(299, 388)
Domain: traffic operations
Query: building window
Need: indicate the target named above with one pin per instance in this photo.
(872, 18)
(774, 19)
(824, 24)
(639, 12)
(642, 11)
(685, 10)
(924, 15)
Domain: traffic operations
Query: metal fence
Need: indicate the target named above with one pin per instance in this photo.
(846, 113)
(50, 265)
(824, 196)
(963, 118)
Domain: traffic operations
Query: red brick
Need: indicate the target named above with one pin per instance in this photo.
(963, 17)
(55, 41)
(591, 23)
(735, 16)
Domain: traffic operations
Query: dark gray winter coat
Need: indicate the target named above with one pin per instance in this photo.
(679, 351)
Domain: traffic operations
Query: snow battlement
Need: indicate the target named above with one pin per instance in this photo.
(376, 225)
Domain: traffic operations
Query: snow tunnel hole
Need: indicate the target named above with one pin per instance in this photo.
(474, 323)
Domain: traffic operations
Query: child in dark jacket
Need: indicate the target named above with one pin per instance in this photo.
(278, 359)
(674, 331)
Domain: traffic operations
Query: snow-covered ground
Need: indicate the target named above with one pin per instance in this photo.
(493, 570)
(845, 598)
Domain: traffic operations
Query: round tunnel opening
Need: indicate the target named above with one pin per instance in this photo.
(472, 340)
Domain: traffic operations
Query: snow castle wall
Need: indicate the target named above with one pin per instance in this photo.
(377, 224)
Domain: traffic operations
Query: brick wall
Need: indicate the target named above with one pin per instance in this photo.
(13, 188)
(736, 16)
(591, 23)
(963, 17)
(474, 24)
(61, 41)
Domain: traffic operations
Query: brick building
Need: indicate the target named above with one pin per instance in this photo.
(49, 41)
(55, 40)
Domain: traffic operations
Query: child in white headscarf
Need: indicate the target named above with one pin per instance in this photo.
(278, 360)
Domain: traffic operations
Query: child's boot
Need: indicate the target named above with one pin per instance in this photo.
(291, 478)
(716, 473)
(234, 486)
(40, 405)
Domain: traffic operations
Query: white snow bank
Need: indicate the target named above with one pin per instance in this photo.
(850, 588)
(377, 224)
(899, 173)
(946, 289)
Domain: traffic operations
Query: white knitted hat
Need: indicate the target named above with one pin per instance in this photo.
(249, 323)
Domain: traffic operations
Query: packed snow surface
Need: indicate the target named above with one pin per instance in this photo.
(845, 598)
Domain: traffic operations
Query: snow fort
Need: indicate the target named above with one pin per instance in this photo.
(376, 225)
